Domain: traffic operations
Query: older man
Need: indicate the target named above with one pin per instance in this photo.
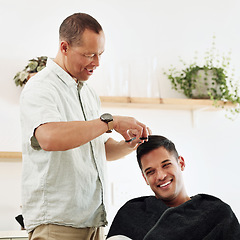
(64, 145)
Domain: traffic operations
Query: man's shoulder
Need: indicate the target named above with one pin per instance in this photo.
(137, 216)
(141, 200)
(144, 204)
(212, 204)
(209, 198)
(39, 80)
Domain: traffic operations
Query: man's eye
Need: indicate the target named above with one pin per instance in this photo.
(90, 55)
(150, 172)
(166, 165)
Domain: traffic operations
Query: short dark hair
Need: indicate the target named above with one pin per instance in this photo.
(154, 142)
(72, 27)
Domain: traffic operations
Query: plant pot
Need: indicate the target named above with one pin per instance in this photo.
(31, 75)
(205, 82)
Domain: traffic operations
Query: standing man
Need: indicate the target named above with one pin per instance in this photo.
(63, 142)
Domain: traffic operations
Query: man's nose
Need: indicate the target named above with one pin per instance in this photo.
(161, 175)
(96, 60)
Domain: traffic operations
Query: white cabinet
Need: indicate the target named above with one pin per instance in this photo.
(10, 235)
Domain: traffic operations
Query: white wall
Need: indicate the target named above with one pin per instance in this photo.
(147, 34)
(210, 149)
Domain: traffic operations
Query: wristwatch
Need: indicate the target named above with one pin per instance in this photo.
(108, 118)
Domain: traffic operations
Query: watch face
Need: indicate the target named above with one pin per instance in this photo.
(106, 117)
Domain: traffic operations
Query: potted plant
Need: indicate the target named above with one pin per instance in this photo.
(34, 66)
(212, 79)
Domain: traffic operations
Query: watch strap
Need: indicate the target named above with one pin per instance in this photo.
(110, 127)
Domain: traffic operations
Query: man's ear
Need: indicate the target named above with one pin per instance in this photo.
(145, 178)
(64, 46)
(181, 162)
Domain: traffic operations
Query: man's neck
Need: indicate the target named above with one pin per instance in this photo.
(177, 201)
(59, 61)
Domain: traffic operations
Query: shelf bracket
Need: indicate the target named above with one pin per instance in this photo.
(194, 115)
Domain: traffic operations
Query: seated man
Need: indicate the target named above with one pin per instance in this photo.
(171, 213)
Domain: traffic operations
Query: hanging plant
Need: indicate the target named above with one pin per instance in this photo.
(213, 79)
(34, 66)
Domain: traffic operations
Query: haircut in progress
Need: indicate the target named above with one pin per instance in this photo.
(154, 142)
(171, 213)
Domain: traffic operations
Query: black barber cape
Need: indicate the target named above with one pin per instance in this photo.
(203, 217)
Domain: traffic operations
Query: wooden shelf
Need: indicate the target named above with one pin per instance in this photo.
(162, 103)
(10, 156)
(137, 102)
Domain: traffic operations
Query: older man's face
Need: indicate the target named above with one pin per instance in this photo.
(81, 61)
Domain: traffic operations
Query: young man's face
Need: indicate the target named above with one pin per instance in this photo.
(163, 172)
(81, 61)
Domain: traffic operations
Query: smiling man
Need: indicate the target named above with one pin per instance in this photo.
(171, 214)
(64, 145)
(162, 171)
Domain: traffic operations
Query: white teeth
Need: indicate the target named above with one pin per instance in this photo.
(165, 184)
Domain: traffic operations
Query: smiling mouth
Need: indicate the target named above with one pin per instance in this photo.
(165, 184)
(89, 70)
